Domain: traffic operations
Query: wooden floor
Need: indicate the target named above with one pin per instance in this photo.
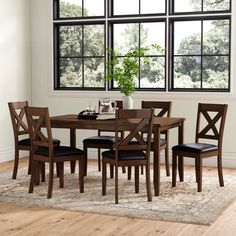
(15, 220)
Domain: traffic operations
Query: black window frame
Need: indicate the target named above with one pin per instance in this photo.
(110, 19)
(57, 56)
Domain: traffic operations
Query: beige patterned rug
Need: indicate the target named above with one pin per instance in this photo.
(181, 204)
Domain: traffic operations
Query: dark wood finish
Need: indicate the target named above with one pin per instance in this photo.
(212, 129)
(100, 143)
(162, 109)
(43, 150)
(160, 124)
(20, 129)
(136, 154)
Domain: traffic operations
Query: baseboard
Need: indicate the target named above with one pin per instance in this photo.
(8, 154)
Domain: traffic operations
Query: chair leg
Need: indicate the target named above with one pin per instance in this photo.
(32, 178)
(148, 183)
(81, 175)
(116, 184)
(85, 160)
(123, 169)
(37, 172)
(196, 170)
(136, 173)
(60, 167)
(42, 171)
(181, 168)
(30, 163)
(220, 171)
(167, 161)
(99, 159)
(104, 177)
(111, 171)
(129, 172)
(50, 180)
(199, 183)
(174, 168)
(16, 161)
(141, 170)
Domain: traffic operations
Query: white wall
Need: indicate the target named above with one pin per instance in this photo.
(15, 66)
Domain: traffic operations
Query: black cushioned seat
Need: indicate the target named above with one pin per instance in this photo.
(60, 151)
(125, 155)
(195, 147)
(100, 139)
(26, 142)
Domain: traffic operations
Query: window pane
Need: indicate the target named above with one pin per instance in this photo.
(149, 36)
(153, 75)
(70, 8)
(70, 72)
(152, 6)
(126, 37)
(94, 72)
(70, 41)
(216, 37)
(187, 5)
(187, 72)
(93, 7)
(126, 7)
(187, 38)
(215, 72)
(216, 5)
(94, 40)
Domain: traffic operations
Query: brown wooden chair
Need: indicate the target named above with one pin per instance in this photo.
(43, 150)
(162, 109)
(210, 126)
(21, 133)
(99, 142)
(126, 153)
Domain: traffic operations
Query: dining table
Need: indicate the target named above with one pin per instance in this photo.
(73, 123)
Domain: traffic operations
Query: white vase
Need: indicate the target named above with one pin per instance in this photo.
(127, 102)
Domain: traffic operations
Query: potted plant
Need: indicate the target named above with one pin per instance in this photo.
(124, 70)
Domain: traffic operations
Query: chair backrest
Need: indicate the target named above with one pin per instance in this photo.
(133, 122)
(38, 119)
(18, 118)
(213, 122)
(119, 104)
(162, 108)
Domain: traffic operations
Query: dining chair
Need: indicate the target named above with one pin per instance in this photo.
(126, 153)
(101, 141)
(43, 150)
(21, 133)
(210, 128)
(161, 109)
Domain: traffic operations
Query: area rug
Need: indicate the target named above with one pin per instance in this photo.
(180, 204)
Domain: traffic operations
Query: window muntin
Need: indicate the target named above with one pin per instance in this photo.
(201, 56)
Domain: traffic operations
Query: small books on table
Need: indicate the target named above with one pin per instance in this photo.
(106, 116)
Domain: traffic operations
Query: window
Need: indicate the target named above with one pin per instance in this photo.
(194, 37)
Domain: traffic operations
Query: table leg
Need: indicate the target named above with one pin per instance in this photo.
(180, 158)
(72, 144)
(156, 162)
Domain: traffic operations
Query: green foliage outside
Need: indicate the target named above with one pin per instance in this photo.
(187, 69)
